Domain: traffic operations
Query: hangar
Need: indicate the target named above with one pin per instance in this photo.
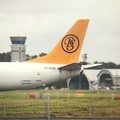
(95, 79)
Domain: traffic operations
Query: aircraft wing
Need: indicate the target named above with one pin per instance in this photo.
(71, 67)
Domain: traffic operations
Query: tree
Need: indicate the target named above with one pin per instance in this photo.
(5, 57)
(33, 56)
(109, 65)
(8, 57)
(42, 54)
(27, 57)
(96, 62)
(84, 63)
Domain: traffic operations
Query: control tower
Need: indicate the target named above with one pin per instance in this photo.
(18, 48)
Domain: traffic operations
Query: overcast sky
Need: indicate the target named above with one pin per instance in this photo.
(45, 22)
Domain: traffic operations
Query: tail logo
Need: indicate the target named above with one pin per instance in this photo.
(70, 43)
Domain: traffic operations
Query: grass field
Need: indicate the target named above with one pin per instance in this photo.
(62, 103)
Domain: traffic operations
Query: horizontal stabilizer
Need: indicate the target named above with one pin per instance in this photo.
(90, 66)
(70, 67)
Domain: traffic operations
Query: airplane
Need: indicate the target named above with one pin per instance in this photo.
(60, 64)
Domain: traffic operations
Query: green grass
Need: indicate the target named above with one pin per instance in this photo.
(19, 104)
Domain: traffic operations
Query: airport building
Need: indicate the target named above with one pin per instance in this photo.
(18, 48)
(96, 79)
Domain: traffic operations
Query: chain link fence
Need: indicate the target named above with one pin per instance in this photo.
(44, 106)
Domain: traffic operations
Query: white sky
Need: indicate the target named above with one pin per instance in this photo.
(45, 22)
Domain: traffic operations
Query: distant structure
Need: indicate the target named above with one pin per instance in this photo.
(18, 48)
(84, 57)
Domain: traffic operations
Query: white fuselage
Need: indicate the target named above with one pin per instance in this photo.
(16, 76)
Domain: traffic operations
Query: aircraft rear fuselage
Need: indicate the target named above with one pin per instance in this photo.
(16, 76)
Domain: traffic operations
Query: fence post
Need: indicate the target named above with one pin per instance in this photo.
(4, 110)
(47, 111)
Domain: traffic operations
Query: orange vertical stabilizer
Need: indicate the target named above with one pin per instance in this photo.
(69, 47)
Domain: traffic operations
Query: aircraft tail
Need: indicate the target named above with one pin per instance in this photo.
(68, 49)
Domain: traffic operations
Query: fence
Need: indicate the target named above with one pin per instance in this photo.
(54, 109)
(60, 106)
